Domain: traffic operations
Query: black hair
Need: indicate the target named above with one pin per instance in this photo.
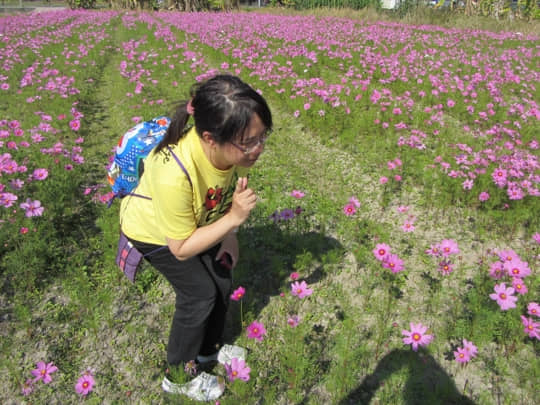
(223, 106)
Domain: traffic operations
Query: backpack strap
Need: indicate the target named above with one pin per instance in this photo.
(180, 164)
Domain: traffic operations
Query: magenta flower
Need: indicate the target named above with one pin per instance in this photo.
(470, 347)
(449, 247)
(434, 250)
(43, 371)
(256, 331)
(462, 355)
(28, 387)
(507, 255)
(445, 267)
(7, 199)
(75, 125)
(381, 251)
(85, 384)
(519, 286)
(353, 200)
(32, 208)
(393, 262)
(297, 194)
(383, 180)
(533, 309)
(416, 336)
(408, 226)
(300, 289)
(286, 214)
(483, 196)
(40, 174)
(536, 237)
(237, 369)
(238, 294)
(517, 268)
(496, 270)
(349, 209)
(293, 321)
(294, 276)
(504, 296)
(531, 328)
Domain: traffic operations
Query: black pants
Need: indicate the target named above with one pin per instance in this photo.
(202, 286)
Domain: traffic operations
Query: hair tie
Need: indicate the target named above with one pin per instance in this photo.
(189, 108)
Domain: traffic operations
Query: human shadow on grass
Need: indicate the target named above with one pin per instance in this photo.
(268, 255)
(427, 382)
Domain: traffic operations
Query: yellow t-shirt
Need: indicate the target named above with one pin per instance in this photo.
(176, 208)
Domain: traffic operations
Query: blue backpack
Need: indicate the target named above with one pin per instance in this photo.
(133, 147)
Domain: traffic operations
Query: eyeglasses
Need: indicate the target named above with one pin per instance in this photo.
(251, 146)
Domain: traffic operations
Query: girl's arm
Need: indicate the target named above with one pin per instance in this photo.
(203, 238)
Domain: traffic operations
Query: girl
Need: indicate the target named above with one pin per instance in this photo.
(195, 196)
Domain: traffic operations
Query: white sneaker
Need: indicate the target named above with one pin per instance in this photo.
(204, 387)
(229, 352)
(225, 355)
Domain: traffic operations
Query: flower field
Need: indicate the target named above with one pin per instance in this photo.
(394, 252)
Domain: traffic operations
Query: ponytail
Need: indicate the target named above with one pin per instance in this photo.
(177, 128)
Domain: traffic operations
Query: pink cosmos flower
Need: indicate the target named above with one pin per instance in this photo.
(445, 267)
(483, 196)
(256, 331)
(507, 255)
(533, 309)
(293, 321)
(349, 209)
(449, 247)
(381, 251)
(300, 289)
(383, 180)
(403, 209)
(28, 387)
(297, 194)
(43, 371)
(416, 336)
(519, 286)
(40, 174)
(7, 199)
(75, 125)
(32, 208)
(468, 184)
(517, 268)
(353, 200)
(408, 226)
(85, 384)
(536, 237)
(393, 262)
(237, 369)
(470, 347)
(504, 296)
(294, 276)
(462, 355)
(531, 328)
(238, 294)
(496, 270)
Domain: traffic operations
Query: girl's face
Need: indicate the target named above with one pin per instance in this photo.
(246, 151)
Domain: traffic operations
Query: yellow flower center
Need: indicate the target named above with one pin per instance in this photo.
(382, 252)
(235, 373)
(416, 336)
(503, 296)
(299, 291)
(85, 384)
